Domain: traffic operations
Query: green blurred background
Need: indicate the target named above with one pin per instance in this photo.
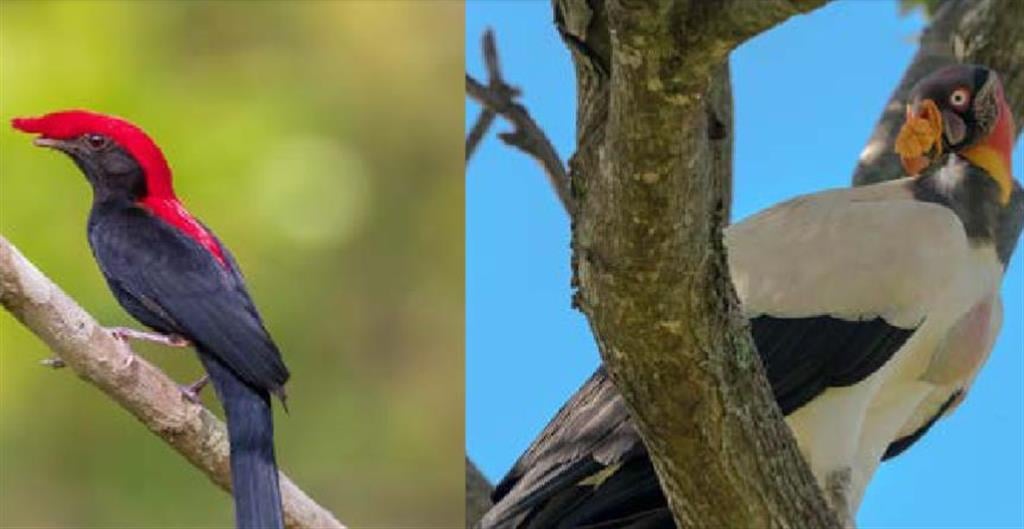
(323, 143)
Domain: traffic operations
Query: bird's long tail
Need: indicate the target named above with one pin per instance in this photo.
(254, 482)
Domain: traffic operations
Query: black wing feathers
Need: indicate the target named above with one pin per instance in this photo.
(175, 285)
(560, 481)
(630, 497)
(588, 469)
(900, 445)
(805, 356)
(589, 433)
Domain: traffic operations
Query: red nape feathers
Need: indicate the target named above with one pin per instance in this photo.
(174, 213)
(160, 199)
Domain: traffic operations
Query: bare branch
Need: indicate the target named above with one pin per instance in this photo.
(499, 97)
(478, 131)
(493, 64)
(132, 382)
(987, 32)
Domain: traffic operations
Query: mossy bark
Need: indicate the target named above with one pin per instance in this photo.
(651, 190)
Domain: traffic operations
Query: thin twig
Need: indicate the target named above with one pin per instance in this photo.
(92, 353)
(499, 97)
(478, 131)
(497, 83)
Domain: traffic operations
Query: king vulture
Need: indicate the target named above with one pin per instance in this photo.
(872, 308)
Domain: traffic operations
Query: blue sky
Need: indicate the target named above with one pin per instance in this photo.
(807, 95)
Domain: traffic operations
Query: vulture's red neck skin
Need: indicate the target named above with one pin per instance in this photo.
(66, 128)
(994, 153)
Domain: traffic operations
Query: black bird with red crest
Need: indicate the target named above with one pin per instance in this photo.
(171, 273)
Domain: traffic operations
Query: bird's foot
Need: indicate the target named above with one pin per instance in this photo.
(170, 340)
(53, 363)
(191, 391)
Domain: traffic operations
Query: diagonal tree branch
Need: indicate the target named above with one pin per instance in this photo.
(133, 383)
(498, 97)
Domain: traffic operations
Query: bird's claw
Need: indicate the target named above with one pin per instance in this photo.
(191, 391)
(53, 363)
(170, 340)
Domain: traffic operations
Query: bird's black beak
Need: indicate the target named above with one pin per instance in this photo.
(51, 143)
(954, 129)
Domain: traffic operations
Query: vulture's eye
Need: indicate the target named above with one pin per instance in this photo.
(959, 98)
(96, 142)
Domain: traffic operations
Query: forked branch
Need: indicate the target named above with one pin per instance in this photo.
(499, 98)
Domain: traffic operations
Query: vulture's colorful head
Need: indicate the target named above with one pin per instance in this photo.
(960, 108)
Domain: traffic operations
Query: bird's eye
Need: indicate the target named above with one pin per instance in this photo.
(96, 141)
(959, 98)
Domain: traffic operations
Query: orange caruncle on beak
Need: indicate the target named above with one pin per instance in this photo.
(918, 135)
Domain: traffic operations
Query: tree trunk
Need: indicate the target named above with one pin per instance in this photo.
(650, 184)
